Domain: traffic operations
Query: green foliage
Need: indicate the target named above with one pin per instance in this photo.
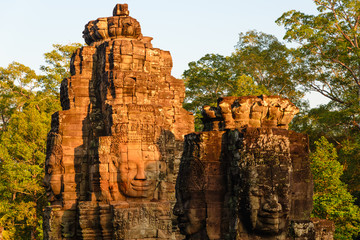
(327, 60)
(21, 173)
(16, 83)
(58, 65)
(349, 155)
(27, 101)
(206, 80)
(245, 86)
(325, 120)
(331, 198)
(268, 61)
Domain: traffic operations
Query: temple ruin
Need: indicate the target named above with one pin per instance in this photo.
(246, 176)
(123, 161)
(113, 152)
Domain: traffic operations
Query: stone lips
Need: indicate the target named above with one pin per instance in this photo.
(116, 145)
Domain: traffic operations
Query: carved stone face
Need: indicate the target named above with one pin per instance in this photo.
(53, 177)
(262, 170)
(268, 198)
(54, 170)
(191, 212)
(190, 204)
(139, 171)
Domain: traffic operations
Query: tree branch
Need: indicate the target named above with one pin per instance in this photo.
(339, 28)
(348, 68)
(327, 94)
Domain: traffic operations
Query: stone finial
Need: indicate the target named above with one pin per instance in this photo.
(120, 25)
(121, 10)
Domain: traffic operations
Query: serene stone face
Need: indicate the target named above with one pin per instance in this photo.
(190, 197)
(264, 182)
(191, 213)
(268, 198)
(140, 171)
(53, 179)
(54, 169)
(251, 181)
(136, 153)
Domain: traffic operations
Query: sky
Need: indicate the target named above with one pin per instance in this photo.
(188, 29)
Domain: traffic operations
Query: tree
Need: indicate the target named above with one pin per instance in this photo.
(27, 101)
(22, 149)
(324, 121)
(268, 62)
(26, 112)
(331, 199)
(211, 77)
(58, 65)
(245, 86)
(206, 80)
(334, 125)
(16, 83)
(327, 61)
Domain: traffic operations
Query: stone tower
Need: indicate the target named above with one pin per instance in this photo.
(246, 176)
(114, 150)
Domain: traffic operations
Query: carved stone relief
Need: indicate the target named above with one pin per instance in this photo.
(114, 151)
(246, 176)
(117, 149)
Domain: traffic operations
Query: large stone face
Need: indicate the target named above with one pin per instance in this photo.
(113, 152)
(246, 176)
(201, 187)
(267, 193)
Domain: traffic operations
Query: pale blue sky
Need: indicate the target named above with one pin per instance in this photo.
(188, 29)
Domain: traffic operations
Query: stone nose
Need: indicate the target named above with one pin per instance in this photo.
(272, 205)
(140, 173)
